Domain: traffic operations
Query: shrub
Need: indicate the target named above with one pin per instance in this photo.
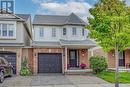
(98, 64)
(25, 70)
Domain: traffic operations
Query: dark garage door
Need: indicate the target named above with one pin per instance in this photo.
(10, 57)
(49, 63)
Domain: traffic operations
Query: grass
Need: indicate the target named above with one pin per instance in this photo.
(110, 76)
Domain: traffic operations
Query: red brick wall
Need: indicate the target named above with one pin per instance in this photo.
(127, 56)
(83, 57)
(111, 59)
(30, 56)
(99, 52)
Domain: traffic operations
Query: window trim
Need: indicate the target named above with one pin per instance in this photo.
(14, 30)
(53, 32)
(64, 34)
(83, 32)
(74, 33)
(41, 34)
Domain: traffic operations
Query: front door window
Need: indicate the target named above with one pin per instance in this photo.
(73, 58)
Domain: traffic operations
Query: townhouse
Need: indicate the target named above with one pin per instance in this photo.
(52, 43)
(59, 43)
(15, 37)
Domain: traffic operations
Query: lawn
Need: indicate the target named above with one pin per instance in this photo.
(110, 76)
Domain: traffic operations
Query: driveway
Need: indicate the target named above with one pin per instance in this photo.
(56, 80)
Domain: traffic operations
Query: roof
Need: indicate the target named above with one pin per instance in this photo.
(50, 44)
(24, 16)
(77, 42)
(58, 20)
(11, 44)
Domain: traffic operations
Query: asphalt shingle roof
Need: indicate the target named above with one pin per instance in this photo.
(77, 42)
(58, 19)
(24, 16)
(65, 42)
(40, 43)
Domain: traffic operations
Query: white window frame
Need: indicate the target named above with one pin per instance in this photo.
(64, 33)
(53, 32)
(74, 31)
(14, 30)
(41, 31)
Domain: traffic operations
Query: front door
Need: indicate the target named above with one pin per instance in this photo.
(121, 59)
(73, 58)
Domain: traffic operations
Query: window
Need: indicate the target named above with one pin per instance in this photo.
(83, 31)
(0, 28)
(74, 32)
(41, 32)
(53, 32)
(4, 29)
(7, 30)
(11, 30)
(64, 31)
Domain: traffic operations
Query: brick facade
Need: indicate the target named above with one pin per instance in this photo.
(28, 53)
(83, 57)
(111, 56)
(127, 56)
(111, 59)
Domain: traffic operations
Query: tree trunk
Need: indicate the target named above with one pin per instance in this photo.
(117, 67)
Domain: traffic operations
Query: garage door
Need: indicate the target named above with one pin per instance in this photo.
(10, 57)
(49, 63)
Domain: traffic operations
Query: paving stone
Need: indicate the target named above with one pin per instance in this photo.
(57, 81)
(64, 86)
(88, 85)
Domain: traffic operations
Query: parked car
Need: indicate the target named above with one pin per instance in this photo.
(6, 69)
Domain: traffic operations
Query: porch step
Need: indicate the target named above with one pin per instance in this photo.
(78, 72)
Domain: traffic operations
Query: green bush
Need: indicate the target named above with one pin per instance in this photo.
(25, 70)
(98, 64)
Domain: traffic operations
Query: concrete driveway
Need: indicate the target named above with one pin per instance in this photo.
(56, 80)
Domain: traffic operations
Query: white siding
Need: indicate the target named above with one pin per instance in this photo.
(59, 33)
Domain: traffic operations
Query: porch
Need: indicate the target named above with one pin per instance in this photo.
(75, 55)
(76, 60)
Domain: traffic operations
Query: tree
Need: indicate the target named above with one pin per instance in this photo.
(110, 27)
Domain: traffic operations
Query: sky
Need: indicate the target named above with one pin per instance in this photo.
(57, 7)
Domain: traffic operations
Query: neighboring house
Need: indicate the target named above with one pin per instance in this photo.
(15, 37)
(124, 57)
(59, 43)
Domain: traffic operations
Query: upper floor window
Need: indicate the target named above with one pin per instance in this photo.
(11, 30)
(53, 32)
(83, 32)
(7, 30)
(64, 31)
(41, 32)
(74, 31)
